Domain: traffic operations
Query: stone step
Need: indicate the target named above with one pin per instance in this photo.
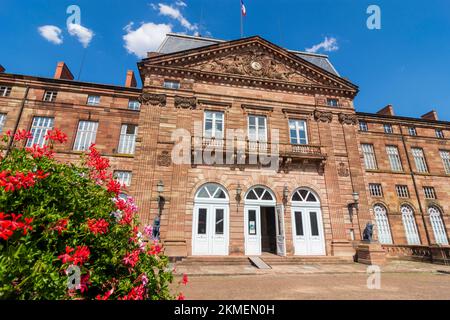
(198, 260)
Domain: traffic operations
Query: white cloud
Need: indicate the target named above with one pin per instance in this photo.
(146, 38)
(328, 44)
(181, 4)
(175, 13)
(51, 34)
(83, 34)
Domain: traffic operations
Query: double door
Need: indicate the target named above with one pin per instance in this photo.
(307, 230)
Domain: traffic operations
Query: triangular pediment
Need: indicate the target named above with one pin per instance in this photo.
(251, 58)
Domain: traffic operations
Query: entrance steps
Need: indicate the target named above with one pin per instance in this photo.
(214, 261)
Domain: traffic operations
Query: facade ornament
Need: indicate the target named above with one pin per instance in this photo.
(343, 170)
(153, 99)
(323, 116)
(164, 159)
(185, 102)
(350, 119)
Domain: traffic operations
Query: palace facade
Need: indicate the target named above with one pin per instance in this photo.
(243, 147)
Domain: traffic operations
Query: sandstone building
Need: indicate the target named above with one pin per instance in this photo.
(330, 171)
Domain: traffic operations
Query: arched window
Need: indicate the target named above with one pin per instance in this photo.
(260, 194)
(440, 235)
(381, 219)
(412, 235)
(211, 192)
(305, 195)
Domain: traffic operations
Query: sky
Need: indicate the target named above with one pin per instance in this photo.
(404, 63)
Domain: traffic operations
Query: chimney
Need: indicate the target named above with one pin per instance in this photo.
(130, 82)
(63, 72)
(387, 111)
(432, 115)
(2, 69)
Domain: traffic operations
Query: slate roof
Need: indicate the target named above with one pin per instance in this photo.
(178, 42)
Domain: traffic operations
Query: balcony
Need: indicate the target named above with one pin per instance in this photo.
(244, 152)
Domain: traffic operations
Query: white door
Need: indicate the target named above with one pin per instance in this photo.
(308, 231)
(384, 230)
(252, 230)
(210, 230)
(281, 239)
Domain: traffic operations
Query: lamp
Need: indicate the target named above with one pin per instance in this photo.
(160, 187)
(353, 205)
(161, 200)
(355, 197)
(285, 194)
(238, 193)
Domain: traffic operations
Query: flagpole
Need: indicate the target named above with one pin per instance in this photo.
(242, 25)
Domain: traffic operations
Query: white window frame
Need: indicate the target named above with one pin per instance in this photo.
(382, 222)
(86, 135)
(123, 177)
(370, 159)
(93, 100)
(127, 141)
(172, 84)
(363, 126)
(134, 105)
(39, 129)
(376, 190)
(50, 96)
(330, 104)
(410, 225)
(440, 234)
(394, 158)
(419, 159)
(296, 124)
(2, 121)
(412, 131)
(439, 133)
(445, 156)
(216, 117)
(429, 192)
(5, 91)
(257, 137)
(402, 191)
(388, 128)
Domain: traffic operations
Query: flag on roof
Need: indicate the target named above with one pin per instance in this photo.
(243, 9)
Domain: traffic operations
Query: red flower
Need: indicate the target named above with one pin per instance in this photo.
(56, 135)
(81, 255)
(98, 226)
(131, 259)
(106, 296)
(66, 256)
(84, 282)
(114, 187)
(23, 135)
(61, 226)
(9, 223)
(185, 279)
(39, 152)
(155, 249)
(20, 180)
(136, 293)
(181, 296)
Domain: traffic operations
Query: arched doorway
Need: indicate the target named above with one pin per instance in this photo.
(264, 222)
(210, 235)
(381, 219)
(307, 225)
(412, 235)
(440, 235)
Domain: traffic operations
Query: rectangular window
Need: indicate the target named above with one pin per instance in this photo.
(298, 132)
(375, 190)
(363, 126)
(257, 129)
(439, 134)
(2, 121)
(419, 159)
(219, 221)
(333, 102)
(252, 222)
(402, 191)
(86, 134)
(39, 129)
(201, 227)
(299, 224)
(124, 177)
(429, 192)
(93, 100)
(388, 128)
(394, 158)
(412, 131)
(314, 224)
(171, 85)
(445, 156)
(127, 142)
(369, 157)
(214, 125)
(50, 96)
(5, 91)
(134, 105)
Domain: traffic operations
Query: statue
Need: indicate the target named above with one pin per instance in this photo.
(368, 232)
(156, 224)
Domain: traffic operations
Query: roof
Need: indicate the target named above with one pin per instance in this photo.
(180, 42)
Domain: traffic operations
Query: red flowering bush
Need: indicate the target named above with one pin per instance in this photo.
(66, 234)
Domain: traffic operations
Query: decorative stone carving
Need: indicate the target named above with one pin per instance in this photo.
(164, 159)
(343, 170)
(350, 119)
(323, 116)
(252, 62)
(153, 99)
(185, 102)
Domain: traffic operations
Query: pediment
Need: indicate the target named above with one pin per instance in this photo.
(251, 58)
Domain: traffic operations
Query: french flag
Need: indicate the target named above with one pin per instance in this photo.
(243, 9)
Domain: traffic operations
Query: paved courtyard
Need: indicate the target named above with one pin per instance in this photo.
(399, 280)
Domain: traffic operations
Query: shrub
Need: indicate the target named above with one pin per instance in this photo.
(65, 233)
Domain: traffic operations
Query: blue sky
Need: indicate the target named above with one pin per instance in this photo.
(406, 63)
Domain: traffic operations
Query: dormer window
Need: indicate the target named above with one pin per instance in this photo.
(332, 102)
(50, 96)
(168, 84)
